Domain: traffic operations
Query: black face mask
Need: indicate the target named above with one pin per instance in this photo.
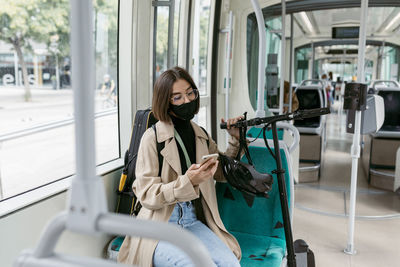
(184, 111)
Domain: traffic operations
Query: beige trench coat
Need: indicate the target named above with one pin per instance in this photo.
(158, 195)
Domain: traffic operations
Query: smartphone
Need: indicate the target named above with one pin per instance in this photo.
(205, 158)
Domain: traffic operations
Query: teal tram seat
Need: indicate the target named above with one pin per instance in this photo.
(258, 229)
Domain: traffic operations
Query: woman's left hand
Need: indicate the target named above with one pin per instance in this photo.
(233, 131)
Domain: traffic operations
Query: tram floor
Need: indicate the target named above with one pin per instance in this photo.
(321, 210)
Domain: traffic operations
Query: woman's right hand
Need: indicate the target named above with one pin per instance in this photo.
(199, 173)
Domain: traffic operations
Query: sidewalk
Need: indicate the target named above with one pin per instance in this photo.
(13, 97)
(46, 105)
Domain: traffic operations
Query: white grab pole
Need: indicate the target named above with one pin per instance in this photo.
(355, 148)
(283, 58)
(87, 197)
(82, 46)
(228, 69)
(261, 59)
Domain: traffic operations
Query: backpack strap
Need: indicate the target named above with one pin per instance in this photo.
(208, 140)
(160, 146)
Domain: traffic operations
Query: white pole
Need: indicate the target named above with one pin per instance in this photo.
(261, 59)
(83, 87)
(228, 69)
(196, 45)
(283, 59)
(355, 148)
(57, 73)
(87, 196)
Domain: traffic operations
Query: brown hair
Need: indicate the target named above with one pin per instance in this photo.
(286, 95)
(163, 91)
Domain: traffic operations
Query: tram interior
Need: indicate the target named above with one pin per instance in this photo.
(321, 38)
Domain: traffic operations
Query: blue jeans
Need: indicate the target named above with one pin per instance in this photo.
(167, 255)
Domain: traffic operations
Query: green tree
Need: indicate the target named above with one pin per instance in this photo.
(25, 21)
(162, 39)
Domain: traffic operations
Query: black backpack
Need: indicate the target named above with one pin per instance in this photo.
(126, 198)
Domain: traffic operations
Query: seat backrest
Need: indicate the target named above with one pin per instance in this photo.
(391, 98)
(309, 97)
(264, 218)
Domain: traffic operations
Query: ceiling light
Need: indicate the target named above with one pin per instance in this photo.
(307, 21)
(394, 20)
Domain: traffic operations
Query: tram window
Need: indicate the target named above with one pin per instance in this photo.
(200, 44)
(273, 45)
(36, 97)
(161, 42)
(202, 117)
(166, 32)
(390, 63)
(302, 64)
(392, 105)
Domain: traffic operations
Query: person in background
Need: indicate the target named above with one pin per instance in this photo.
(108, 87)
(295, 101)
(183, 193)
(328, 88)
(333, 84)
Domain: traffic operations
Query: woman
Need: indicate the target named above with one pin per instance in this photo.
(185, 192)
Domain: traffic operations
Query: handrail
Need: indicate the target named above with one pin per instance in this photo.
(49, 126)
(382, 174)
(311, 80)
(295, 131)
(385, 81)
(114, 224)
(310, 168)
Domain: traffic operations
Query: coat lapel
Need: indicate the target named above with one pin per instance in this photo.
(171, 155)
(165, 133)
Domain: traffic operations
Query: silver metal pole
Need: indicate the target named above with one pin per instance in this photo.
(171, 19)
(291, 64)
(1, 183)
(311, 76)
(355, 148)
(87, 195)
(261, 59)
(83, 85)
(283, 55)
(228, 69)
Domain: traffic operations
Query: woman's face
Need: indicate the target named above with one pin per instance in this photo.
(182, 92)
(183, 102)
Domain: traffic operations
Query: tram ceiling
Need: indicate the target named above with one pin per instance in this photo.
(317, 19)
(296, 6)
(329, 43)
